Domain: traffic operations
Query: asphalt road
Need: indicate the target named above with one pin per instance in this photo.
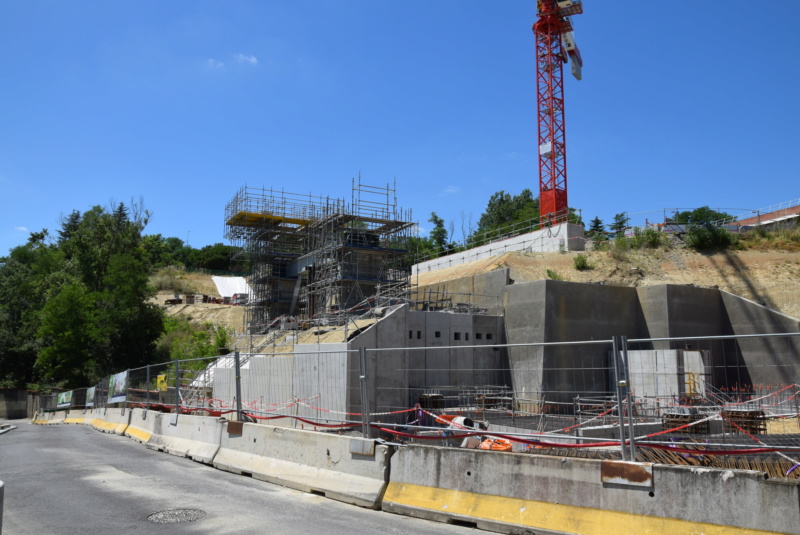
(70, 479)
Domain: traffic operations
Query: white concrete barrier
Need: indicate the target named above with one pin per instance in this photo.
(41, 418)
(50, 417)
(111, 420)
(142, 424)
(78, 416)
(2, 489)
(196, 437)
(515, 492)
(347, 469)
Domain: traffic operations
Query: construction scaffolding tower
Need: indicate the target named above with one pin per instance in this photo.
(318, 260)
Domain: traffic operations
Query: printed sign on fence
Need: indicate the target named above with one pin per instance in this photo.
(161, 382)
(90, 396)
(64, 399)
(118, 387)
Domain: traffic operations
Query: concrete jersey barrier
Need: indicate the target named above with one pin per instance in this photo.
(41, 418)
(514, 492)
(142, 424)
(347, 469)
(55, 417)
(196, 437)
(78, 416)
(111, 420)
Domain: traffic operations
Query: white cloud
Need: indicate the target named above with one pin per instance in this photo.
(244, 58)
(21, 229)
(450, 190)
(212, 63)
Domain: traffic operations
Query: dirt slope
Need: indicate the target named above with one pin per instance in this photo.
(769, 278)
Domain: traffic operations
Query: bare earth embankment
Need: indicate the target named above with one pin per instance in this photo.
(768, 278)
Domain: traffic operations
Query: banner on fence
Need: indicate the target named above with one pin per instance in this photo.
(90, 396)
(64, 399)
(161, 382)
(118, 387)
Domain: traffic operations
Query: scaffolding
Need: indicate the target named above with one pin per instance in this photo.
(319, 260)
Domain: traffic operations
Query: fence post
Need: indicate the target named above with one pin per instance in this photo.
(626, 369)
(237, 364)
(177, 388)
(619, 383)
(362, 371)
(147, 396)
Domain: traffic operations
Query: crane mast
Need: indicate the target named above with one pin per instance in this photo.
(554, 47)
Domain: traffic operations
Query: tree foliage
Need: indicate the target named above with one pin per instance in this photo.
(597, 230)
(76, 308)
(162, 252)
(618, 226)
(700, 216)
(504, 209)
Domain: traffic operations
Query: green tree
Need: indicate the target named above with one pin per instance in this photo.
(597, 230)
(504, 209)
(29, 276)
(216, 257)
(700, 216)
(131, 324)
(438, 235)
(620, 223)
(69, 332)
(69, 226)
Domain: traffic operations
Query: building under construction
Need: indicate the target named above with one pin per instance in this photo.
(317, 260)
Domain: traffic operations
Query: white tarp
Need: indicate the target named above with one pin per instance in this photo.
(227, 286)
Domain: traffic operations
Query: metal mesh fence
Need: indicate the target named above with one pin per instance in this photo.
(614, 396)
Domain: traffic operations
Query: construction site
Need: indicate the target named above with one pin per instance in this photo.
(468, 386)
(331, 277)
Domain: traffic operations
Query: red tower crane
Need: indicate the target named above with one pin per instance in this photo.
(555, 45)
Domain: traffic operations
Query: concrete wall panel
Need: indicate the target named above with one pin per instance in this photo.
(437, 361)
(769, 361)
(566, 237)
(513, 492)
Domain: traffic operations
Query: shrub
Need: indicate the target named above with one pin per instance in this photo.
(581, 262)
(172, 279)
(553, 275)
(649, 238)
(709, 237)
(618, 248)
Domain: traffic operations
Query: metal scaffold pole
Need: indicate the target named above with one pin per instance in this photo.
(362, 372)
(628, 395)
(237, 364)
(619, 382)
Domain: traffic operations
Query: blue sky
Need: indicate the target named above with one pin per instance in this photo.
(682, 104)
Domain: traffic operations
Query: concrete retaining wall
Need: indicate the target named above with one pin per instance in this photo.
(516, 492)
(563, 237)
(13, 404)
(347, 469)
(196, 437)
